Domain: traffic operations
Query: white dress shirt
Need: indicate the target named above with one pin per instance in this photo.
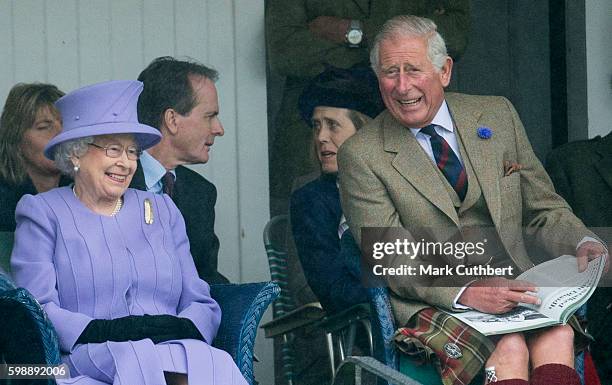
(444, 128)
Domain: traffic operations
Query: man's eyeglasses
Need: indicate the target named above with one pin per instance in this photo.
(116, 150)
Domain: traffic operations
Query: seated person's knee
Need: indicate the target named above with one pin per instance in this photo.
(510, 357)
(562, 335)
(552, 345)
(512, 348)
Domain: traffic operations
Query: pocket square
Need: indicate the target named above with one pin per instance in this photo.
(511, 167)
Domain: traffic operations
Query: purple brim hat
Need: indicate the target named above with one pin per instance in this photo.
(103, 109)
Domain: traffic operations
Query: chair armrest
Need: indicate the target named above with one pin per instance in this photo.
(242, 306)
(340, 320)
(353, 366)
(304, 316)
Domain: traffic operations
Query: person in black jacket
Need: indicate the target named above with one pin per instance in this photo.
(180, 100)
(29, 120)
(582, 174)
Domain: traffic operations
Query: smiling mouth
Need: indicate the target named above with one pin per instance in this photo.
(409, 102)
(116, 177)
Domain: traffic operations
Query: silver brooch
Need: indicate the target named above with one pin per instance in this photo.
(452, 350)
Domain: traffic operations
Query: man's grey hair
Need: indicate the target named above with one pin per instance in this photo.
(71, 148)
(411, 26)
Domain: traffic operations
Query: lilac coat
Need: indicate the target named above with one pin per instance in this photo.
(83, 266)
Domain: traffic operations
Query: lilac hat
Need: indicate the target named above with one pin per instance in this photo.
(100, 109)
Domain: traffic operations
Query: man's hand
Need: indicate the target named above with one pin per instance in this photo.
(330, 28)
(588, 251)
(498, 295)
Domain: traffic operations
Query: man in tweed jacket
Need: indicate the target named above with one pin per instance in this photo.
(388, 178)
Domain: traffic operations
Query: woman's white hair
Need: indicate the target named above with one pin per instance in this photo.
(72, 148)
(411, 26)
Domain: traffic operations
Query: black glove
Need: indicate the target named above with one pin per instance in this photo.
(174, 328)
(158, 328)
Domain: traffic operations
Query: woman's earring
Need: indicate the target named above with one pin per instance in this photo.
(76, 168)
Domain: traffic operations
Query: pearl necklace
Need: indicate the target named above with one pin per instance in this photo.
(117, 208)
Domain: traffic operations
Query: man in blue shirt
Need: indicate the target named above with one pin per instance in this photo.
(180, 100)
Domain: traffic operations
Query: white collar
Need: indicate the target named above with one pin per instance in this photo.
(153, 170)
(443, 119)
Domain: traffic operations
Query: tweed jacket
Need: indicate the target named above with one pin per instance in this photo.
(387, 180)
(195, 197)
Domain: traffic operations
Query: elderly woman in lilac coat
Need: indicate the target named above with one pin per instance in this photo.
(111, 266)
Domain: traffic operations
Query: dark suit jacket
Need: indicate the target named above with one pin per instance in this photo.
(195, 197)
(331, 266)
(582, 174)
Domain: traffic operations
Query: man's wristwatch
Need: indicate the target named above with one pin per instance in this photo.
(354, 34)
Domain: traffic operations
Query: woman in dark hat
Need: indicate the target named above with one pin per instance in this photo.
(110, 265)
(336, 104)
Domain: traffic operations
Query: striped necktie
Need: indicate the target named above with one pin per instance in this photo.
(447, 161)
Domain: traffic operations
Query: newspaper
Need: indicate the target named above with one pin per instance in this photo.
(561, 288)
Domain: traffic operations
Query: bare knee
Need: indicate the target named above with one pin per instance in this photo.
(510, 357)
(562, 333)
(513, 345)
(553, 337)
(552, 345)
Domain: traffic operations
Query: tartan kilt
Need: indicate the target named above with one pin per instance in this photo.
(458, 351)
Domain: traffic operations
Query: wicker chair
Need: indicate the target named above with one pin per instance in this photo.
(339, 328)
(287, 316)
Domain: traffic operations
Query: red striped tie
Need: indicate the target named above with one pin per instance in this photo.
(447, 161)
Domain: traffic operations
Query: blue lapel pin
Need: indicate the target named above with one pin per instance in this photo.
(484, 132)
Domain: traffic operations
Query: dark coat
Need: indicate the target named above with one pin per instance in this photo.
(10, 194)
(582, 174)
(331, 266)
(195, 197)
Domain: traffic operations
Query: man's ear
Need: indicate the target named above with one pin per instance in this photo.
(446, 72)
(170, 121)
